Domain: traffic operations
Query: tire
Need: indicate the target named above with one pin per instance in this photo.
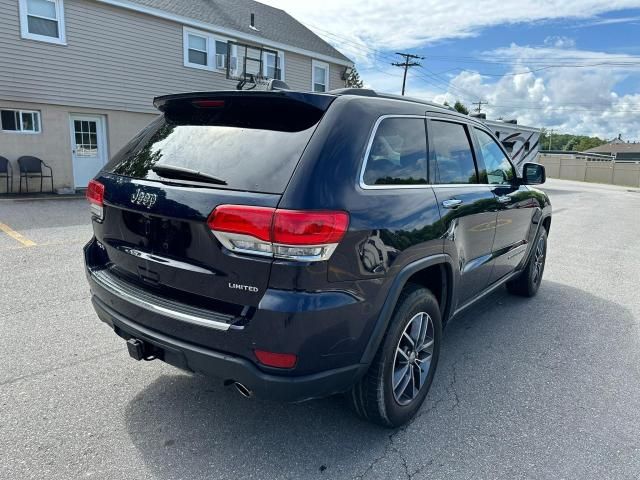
(374, 398)
(528, 282)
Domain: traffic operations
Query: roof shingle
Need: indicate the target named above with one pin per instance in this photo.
(616, 148)
(273, 24)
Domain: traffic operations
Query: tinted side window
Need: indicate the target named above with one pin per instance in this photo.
(499, 169)
(398, 153)
(452, 153)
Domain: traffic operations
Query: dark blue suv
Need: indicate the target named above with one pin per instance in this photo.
(298, 245)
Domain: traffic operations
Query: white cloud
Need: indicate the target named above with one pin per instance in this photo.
(378, 24)
(552, 55)
(559, 42)
(579, 98)
(572, 100)
(611, 21)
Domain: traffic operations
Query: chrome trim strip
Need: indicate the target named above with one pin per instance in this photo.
(515, 251)
(165, 261)
(463, 185)
(153, 303)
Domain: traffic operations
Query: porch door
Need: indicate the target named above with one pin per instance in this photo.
(88, 147)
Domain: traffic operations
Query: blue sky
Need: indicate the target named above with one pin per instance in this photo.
(571, 65)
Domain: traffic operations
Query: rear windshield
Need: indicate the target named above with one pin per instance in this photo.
(250, 159)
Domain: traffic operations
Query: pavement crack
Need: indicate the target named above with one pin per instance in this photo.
(451, 387)
(391, 448)
(421, 469)
(405, 465)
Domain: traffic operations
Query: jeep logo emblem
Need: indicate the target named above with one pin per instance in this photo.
(246, 288)
(145, 199)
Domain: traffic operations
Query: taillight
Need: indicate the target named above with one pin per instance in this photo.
(290, 234)
(95, 195)
(277, 360)
(296, 227)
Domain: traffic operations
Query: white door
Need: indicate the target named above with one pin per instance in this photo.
(88, 147)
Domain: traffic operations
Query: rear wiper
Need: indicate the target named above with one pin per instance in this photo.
(181, 173)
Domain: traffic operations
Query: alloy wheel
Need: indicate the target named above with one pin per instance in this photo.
(538, 260)
(412, 359)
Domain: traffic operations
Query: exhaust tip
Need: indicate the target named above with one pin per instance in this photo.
(243, 390)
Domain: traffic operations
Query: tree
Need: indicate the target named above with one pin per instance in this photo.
(567, 142)
(570, 145)
(353, 79)
(459, 107)
(585, 143)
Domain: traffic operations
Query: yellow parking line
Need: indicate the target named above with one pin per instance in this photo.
(16, 236)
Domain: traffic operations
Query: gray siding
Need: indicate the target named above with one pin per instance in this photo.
(114, 59)
(298, 72)
(335, 76)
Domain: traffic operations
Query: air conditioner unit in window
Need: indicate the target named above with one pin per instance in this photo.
(221, 61)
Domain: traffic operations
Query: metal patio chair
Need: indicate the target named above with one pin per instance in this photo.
(6, 171)
(32, 167)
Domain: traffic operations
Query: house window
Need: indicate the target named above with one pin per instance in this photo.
(319, 76)
(42, 20)
(270, 70)
(221, 55)
(21, 121)
(204, 50)
(197, 50)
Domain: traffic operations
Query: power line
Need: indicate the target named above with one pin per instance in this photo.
(381, 56)
(435, 79)
(450, 87)
(407, 64)
(621, 60)
(479, 103)
(425, 76)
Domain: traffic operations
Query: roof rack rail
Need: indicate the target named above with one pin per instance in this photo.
(368, 92)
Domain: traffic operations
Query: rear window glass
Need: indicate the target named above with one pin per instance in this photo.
(251, 159)
(452, 153)
(398, 153)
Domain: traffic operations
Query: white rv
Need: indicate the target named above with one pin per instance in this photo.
(522, 143)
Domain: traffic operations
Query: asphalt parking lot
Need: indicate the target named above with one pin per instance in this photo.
(547, 387)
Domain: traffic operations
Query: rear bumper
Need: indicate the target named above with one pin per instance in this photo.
(231, 368)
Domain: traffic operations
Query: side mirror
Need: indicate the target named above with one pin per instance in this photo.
(533, 174)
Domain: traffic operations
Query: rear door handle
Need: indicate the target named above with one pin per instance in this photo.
(503, 199)
(453, 203)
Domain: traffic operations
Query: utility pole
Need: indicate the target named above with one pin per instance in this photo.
(550, 135)
(408, 63)
(479, 104)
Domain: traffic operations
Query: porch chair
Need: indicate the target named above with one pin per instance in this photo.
(32, 167)
(6, 171)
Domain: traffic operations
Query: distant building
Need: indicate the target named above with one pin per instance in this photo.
(619, 150)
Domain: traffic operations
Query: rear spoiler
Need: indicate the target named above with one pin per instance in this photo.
(284, 110)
